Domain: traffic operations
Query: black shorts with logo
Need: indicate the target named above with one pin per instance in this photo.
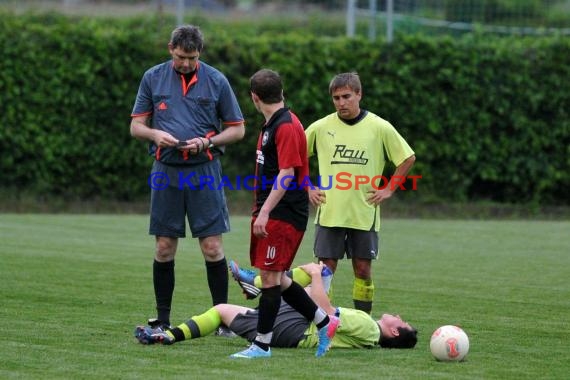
(288, 330)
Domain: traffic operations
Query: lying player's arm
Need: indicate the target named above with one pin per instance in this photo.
(317, 290)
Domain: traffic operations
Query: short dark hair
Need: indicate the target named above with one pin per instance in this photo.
(407, 338)
(350, 80)
(267, 85)
(188, 38)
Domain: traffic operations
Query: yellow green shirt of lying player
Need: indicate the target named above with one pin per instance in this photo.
(357, 329)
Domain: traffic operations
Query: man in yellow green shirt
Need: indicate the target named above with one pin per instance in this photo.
(352, 146)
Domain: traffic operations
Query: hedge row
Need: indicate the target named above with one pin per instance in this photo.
(488, 118)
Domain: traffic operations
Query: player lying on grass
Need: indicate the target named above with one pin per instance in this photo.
(357, 329)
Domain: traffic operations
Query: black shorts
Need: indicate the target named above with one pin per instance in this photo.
(193, 193)
(335, 242)
(288, 330)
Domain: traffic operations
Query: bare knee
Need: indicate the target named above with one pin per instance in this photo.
(165, 248)
(212, 248)
(362, 269)
(228, 312)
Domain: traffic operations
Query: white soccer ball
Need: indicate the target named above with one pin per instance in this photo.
(449, 343)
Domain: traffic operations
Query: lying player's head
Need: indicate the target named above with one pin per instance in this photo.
(396, 333)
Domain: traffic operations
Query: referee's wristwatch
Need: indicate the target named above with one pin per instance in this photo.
(210, 143)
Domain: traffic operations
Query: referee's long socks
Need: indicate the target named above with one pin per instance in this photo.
(298, 299)
(163, 280)
(217, 273)
(197, 326)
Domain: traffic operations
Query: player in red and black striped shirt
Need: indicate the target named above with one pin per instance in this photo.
(280, 215)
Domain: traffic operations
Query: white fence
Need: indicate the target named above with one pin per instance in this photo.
(523, 17)
(382, 17)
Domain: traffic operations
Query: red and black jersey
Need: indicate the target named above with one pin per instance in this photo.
(282, 144)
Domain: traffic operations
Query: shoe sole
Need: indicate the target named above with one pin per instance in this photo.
(249, 357)
(241, 355)
(250, 291)
(226, 333)
(141, 335)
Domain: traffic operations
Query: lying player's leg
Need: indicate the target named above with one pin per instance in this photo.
(196, 327)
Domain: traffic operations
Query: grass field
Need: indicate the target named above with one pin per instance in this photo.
(74, 286)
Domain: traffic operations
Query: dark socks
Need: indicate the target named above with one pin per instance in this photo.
(163, 279)
(217, 273)
(178, 334)
(263, 346)
(363, 305)
(269, 303)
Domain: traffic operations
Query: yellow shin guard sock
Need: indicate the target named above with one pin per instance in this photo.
(363, 294)
(298, 275)
(301, 277)
(201, 325)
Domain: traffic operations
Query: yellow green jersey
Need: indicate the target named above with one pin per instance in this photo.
(357, 329)
(351, 158)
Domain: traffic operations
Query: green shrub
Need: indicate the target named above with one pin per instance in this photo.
(487, 117)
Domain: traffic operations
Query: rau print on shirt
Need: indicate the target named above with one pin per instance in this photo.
(344, 155)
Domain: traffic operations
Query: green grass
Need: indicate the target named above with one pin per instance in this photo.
(74, 286)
